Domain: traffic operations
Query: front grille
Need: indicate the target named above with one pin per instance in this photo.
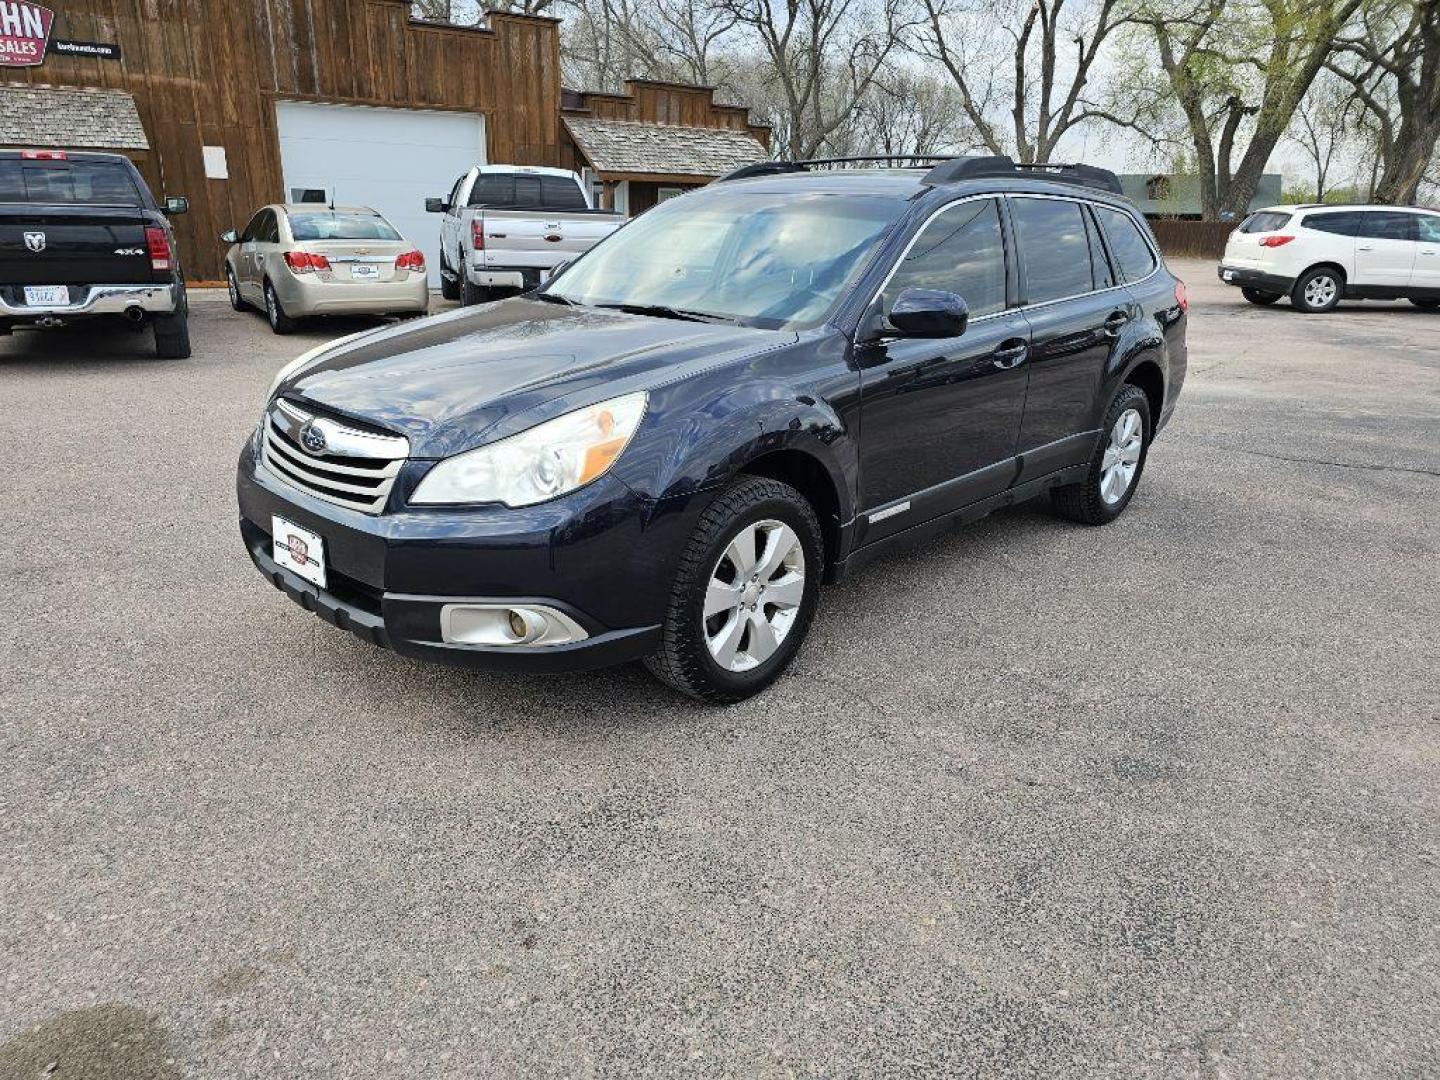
(327, 459)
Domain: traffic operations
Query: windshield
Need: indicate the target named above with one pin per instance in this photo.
(338, 225)
(768, 259)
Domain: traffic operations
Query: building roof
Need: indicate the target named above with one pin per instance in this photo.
(65, 116)
(621, 147)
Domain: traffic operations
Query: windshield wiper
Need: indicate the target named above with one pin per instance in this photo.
(665, 312)
(553, 298)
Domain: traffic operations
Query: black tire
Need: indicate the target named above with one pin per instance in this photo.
(1313, 306)
(471, 294)
(1425, 304)
(1085, 502)
(1259, 298)
(233, 287)
(683, 660)
(275, 314)
(449, 284)
(172, 332)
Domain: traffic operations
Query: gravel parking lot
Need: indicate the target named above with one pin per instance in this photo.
(1158, 799)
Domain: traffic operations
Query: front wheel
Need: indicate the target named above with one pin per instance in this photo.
(744, 594)
(449, 283)
(1115, 466)
(1259, 298)
(233, 288)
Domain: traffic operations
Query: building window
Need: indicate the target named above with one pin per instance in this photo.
(1157, 188)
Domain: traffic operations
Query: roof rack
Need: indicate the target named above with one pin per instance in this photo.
(777, 168)
(948, 170)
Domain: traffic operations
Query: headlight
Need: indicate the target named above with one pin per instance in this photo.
(305, 357)
(549, 460)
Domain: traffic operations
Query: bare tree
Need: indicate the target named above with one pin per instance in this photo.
(1326, 124)
(1030, 62)
(822, 57)
(909, 112)
(1392, 62)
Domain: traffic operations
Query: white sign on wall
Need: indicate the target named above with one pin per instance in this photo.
(216, 167)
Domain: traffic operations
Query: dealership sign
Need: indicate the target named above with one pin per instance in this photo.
(24, 32)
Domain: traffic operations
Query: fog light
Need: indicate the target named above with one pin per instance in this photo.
(519, 625)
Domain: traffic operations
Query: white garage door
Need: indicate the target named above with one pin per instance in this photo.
(389, 159)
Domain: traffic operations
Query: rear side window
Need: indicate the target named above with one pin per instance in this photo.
(1264, 221)
(1339, 223)
(338, 225)
(1387, 225)
(961, 251)
(1054, 249)
(1428, 228)
(1099, 264)
(80, 183)
(1132, 254)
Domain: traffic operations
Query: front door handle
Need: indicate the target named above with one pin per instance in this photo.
(1364, 249)
(1010, 354)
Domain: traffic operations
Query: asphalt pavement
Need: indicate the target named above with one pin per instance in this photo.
(1158, 799)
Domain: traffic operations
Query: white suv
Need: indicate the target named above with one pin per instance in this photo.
(1318, 255)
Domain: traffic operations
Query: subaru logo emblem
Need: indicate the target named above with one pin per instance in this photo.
(35, 241)
(312, 439)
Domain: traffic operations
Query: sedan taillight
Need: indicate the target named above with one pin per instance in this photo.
(410, 260)
(304, 262)
(1275, 241)
(158, 243)
(1182, 296)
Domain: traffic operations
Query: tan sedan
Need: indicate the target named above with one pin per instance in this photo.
(294, 260)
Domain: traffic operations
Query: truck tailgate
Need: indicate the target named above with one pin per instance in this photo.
(537, 238)
(73, 245)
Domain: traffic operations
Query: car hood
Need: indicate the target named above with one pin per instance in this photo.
(465, 378)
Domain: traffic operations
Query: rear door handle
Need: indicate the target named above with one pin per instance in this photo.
(1115, 322)
(1364, 249)
(1010, 354)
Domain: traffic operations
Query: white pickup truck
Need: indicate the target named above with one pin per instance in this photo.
(507, 227)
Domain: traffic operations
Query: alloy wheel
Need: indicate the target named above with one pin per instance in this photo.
(1320, 290)
(272, 306)
(753, 595)
(1122, 456)
(233, 288)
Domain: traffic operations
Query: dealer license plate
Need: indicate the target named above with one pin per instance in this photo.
(47, 295)
(364, 270)
(299, 550)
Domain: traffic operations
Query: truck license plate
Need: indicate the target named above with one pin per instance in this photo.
(364, 270)
(299, 550)
(46, 295)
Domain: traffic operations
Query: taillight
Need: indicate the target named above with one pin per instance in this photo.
(477, 234)
(303, 262)
(43, 155)
(159, 245)
(410, 260)
(1182, 296)
(1276, 241)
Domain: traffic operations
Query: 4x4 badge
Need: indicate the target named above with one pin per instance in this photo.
(35, 241)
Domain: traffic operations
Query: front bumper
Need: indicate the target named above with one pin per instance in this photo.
(598, 556)
(1241, 277)
(88, 300)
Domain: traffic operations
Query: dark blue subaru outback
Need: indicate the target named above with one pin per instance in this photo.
(662, 453)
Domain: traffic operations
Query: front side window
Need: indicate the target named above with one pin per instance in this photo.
(1387, 225)
(268, 230)
(340, 225)
(1132, 254)
(961, 251)
(1054, 249)
(1427, 227)
(760, 258)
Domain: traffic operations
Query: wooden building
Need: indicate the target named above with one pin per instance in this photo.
(245, 103)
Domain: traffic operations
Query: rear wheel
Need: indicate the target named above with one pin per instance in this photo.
(1317, 290)
(172, 332)
(1115, 466)
(1425, 304)
(279, 321)
(471, 294)
(1256, 296)
(744, 594)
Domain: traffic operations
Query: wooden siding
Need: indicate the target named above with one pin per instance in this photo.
(207, 73)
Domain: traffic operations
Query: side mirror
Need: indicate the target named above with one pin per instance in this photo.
(929, 313)
(176, 204)
(229, 237)
(436, 206)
